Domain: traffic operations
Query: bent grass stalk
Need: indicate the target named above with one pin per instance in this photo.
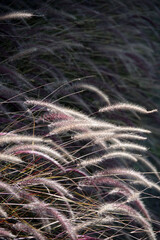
(41, 148)
(126, 106)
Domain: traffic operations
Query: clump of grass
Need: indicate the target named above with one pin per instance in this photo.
(69, 149)
(51, 194)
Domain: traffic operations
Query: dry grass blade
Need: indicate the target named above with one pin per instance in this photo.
(106, 135)
(48, 182)
(96, 90)
(15, 15)
(89, 135)
(65, 126)
(53, 107)
(44, 156)
(124, 145)
(42, 148)
(126, 106)
(130, 173)
(10, 158)
(21, 138)
(116, 154)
